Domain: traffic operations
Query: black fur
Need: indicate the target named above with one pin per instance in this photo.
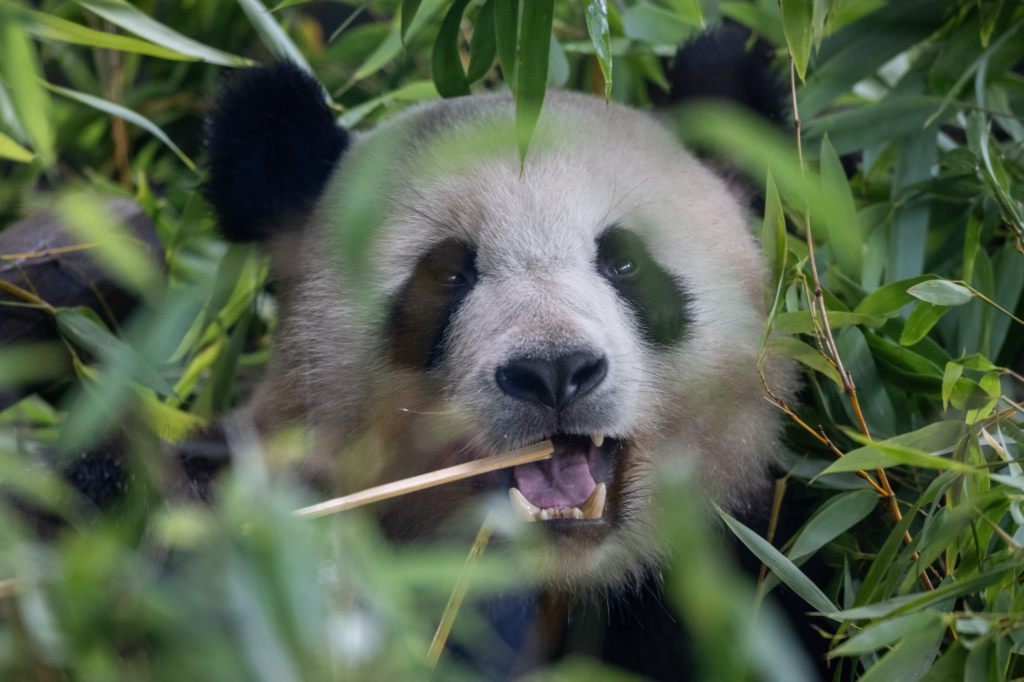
(659, 301)
(272, 143)
(424, 308)
(719, 65)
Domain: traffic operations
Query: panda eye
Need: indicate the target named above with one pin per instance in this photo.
(623, 267)
(451, 278)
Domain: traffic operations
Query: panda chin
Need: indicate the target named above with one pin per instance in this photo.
(569, 492)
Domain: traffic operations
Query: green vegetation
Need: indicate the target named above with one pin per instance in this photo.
(918, 254)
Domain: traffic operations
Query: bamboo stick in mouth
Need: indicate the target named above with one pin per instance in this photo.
(531, 453)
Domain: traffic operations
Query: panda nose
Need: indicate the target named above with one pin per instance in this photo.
(554, 382)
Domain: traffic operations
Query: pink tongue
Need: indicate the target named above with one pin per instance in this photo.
(562, 481)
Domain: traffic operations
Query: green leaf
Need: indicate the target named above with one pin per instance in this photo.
(806, 355)
(532, 68)
(780, 565)
(886, 632)
(86, 217)
(950, 376)
(801, 322)
(921, 320)
(842, 226)
(773, 230)
(135, 21)
(446, 61)
(941, 292)
(506, 35)
(9, 149)
(79, 325)
(271, 33)
(414, 91)
(910, 658)
(596, 12)
(657, 26)
(409, 9)
(128, 115)
(483, 47)
(51, 27)
(888, 300)
(20, 70)
(796, 22)
(906, 449)
(835, 517)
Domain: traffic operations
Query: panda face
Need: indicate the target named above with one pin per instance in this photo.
(606, 296)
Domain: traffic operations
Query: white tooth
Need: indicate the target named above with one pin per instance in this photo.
(521, 506)
(597, 439)
(544, 515)
(593, 506)
(576, 513)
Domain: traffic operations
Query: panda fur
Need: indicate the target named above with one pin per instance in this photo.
(609, 285)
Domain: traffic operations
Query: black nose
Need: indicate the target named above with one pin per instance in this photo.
(553, 383)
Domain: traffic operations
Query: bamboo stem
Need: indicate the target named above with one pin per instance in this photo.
(451, 609)
(817, 308)
(531, 453)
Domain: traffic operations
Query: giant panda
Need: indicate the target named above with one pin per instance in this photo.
(443, 298)
(605, 294)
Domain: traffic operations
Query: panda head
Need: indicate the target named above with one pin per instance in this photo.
(442, 302)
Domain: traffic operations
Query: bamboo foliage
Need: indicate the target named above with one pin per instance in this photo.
(893, 226)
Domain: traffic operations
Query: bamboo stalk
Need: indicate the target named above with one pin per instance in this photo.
(531, 453)
(451, 609)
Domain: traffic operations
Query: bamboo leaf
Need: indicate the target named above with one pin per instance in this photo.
(941, 292)
(842, 226)
(270, 32)
(409, 9)
(483, 47)
(446, 61)
(51, 27)
(801, 321)
(922, 318)
(900, 450)
(910, 658)
(532, 68)
(796, 23)
(128, 115)
(596, 12)
(20, 69)
(773, 229)
(888, 300)
(780, 565)
(9, 149)
(131, 19)
(950, 375)
(80, 326)
(835, 517)
(806, 355)
(886, 632)
(506, 35)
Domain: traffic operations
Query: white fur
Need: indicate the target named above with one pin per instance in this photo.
(451, 169)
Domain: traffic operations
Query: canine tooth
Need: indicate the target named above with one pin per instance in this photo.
(522, 506)
(597, 439)
(593, 506)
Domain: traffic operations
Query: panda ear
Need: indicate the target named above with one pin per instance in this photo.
(725, 64)
(272, 144)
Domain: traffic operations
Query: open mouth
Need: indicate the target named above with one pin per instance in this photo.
(570, 486)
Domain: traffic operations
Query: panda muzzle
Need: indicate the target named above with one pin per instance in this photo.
(571, 485)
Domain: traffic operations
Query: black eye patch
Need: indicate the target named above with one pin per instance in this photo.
(658, 299)
(422, 311)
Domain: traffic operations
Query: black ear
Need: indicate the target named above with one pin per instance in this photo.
(272, 144)
(721, 64)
